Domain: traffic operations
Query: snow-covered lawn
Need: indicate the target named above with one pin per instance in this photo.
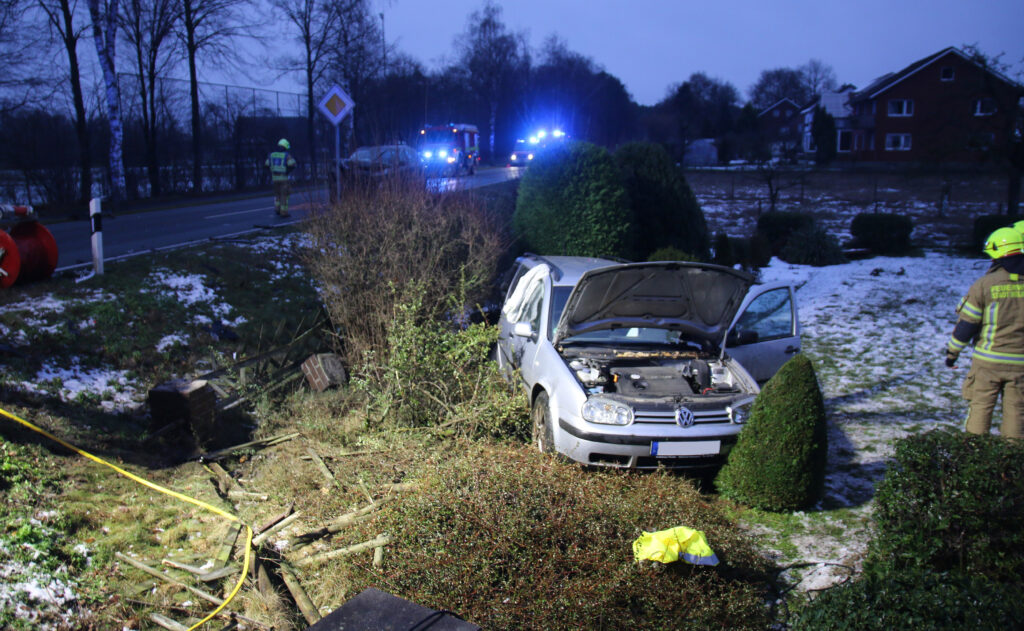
(876, 331)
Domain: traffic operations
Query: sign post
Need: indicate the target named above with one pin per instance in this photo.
(336, 105)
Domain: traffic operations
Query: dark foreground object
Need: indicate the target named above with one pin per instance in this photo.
(374, 609)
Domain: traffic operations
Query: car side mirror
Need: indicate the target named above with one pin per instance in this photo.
(739, 338)
(522, 329)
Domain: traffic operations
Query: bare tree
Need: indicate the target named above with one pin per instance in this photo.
(60, 15)
(316, 23)
(496, 60)
(211, 27)
(818, 76)
(777, 84)
(356, 53)
(16, 74)
(148, 25)
(104, 34)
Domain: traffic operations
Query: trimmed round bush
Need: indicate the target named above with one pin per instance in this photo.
(777, 226)
(666, 213)
(882, 233)
(916, 599)
(572, 202)
(812, 245)
(778, 463)
(953, 501)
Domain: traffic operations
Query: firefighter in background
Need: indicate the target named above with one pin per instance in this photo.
(992, 314)
(281, 164)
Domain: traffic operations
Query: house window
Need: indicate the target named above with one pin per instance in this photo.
(947, 74)
(897, 142)
(844, 142)
(901, 107)
(775, 113)
(984, 106)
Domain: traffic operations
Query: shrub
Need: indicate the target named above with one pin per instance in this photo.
(433, 375)
(778, 463)
(509, 538)
(953, 501)
(776, 227)
(986, 225)
(665, 211)
(376, 249)
(671, 254)
(916, 599)
(882, 233)
(751, 253)
(571, 201)
(812, 245)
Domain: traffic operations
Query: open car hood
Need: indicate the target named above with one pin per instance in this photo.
(699, 300)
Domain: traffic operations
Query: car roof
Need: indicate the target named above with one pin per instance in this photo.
(568, 269)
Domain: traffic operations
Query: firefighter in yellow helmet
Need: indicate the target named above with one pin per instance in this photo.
(992, 316)
(281, 164)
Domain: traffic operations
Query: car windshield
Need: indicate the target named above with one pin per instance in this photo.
(437, 136)
(622, 335)
(365, 154)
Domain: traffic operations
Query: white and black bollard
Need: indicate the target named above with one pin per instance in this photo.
(97, 235)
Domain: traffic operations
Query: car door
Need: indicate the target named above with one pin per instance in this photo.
(766, 331)
(524, 304)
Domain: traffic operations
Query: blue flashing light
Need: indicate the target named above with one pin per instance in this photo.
(558, 133)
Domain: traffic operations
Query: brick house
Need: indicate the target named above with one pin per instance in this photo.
(943, 108)
(780, 126)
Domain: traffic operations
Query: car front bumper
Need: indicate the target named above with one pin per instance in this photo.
(630, 447)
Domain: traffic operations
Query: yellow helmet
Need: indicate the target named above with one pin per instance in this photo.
(1004, 242)
(1019, 227)
(284, 144)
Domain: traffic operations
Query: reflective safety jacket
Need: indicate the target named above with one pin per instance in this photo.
(666, 546)
(281, 163)
(992, 315)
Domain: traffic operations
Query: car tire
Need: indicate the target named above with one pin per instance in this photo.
(543, 433)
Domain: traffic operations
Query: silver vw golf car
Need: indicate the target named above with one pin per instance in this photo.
(640, 365)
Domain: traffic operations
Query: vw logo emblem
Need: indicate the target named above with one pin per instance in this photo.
(684, 417)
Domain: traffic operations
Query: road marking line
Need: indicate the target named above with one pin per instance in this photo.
(241, 212)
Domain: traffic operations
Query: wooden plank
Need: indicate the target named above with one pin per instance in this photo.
(380, 540)
(263, 536)
(306, 606)
(167, 623)
(227, 545)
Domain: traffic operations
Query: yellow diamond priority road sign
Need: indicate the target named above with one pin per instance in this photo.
(336, 104)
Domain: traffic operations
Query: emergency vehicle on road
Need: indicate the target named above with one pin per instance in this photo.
(450, 149)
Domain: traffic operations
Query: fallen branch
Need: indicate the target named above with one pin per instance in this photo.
(258, 541)
(261, 443)
(306, 606)
(336, 524)
(167, 623)
(276, 518)
(323, 467)
(195, 590)
(380, 540)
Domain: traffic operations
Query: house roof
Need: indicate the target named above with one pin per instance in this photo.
(889, 80)
(777, 104)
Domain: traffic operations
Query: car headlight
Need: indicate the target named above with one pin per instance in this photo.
(428, 154)
(739, 413)
(451, 159)
(513, 157)
(598, 409)
(442, 154)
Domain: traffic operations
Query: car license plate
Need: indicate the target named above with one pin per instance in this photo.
(686, 448)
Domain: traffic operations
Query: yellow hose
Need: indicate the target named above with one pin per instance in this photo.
(165, 491)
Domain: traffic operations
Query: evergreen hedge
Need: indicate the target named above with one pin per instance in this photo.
(882, 233)
(665, 210)
(778, 463)
(572, 202)
(916, 599)
(777, 226)
(812, 245)
(953, 501)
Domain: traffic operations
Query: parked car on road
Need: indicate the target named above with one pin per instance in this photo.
(383, 160)
(640, 365)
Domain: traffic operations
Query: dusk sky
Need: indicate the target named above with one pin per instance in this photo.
(652, 44)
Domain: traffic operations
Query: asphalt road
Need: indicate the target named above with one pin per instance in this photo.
(135, 233)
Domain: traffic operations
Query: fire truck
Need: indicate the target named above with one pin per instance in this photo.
(450, 149)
